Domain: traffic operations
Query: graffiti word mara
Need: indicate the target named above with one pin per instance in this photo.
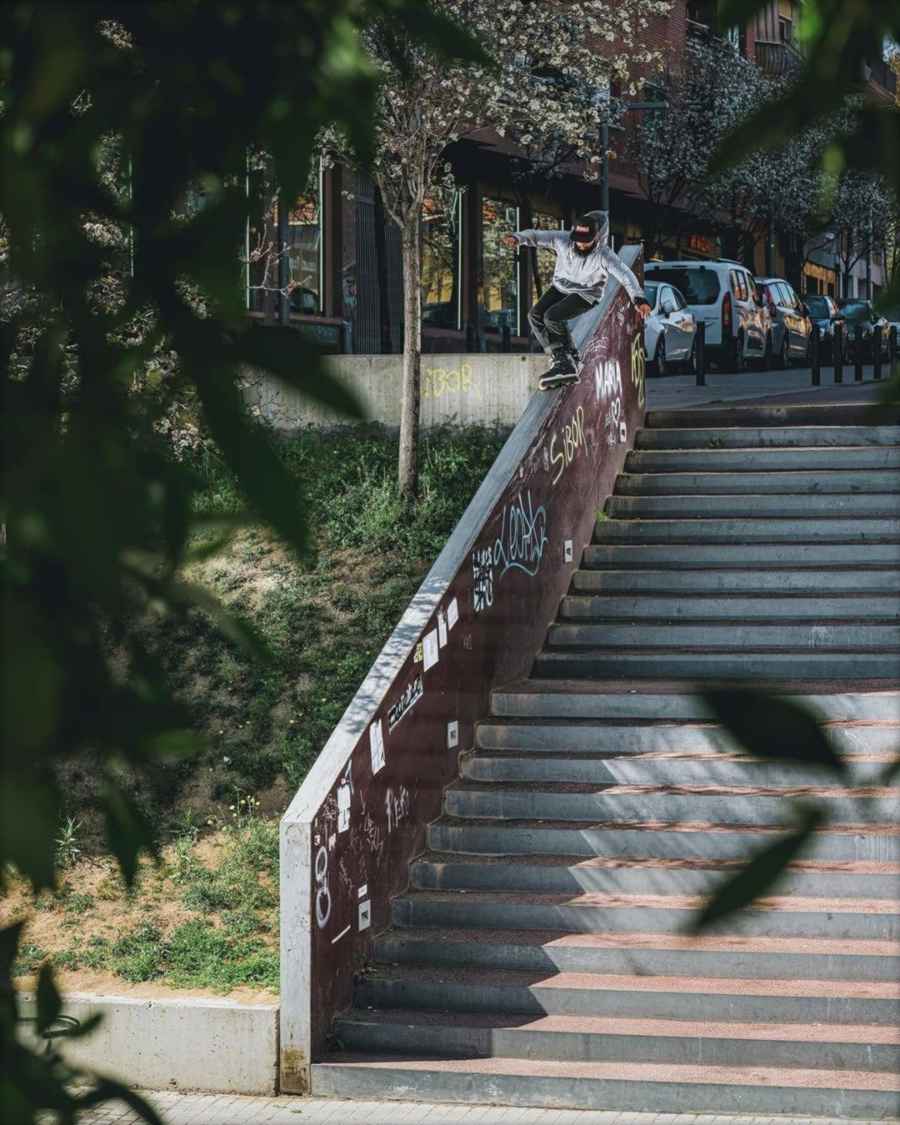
(439, 381)
(571, 441)
(522, 539)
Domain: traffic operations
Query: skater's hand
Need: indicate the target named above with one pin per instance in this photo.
(510, 240)
(642, 309)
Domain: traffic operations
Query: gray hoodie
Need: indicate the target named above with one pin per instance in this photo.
(584, 274)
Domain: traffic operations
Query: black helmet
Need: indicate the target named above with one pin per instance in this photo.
(585, 231)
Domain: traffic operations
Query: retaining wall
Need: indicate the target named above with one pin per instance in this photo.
(478, 619)
(464, 389)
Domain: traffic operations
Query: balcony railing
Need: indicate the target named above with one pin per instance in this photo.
(777, 59)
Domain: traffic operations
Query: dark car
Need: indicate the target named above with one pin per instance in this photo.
(791, 324)
(826, 315)
(860, 315)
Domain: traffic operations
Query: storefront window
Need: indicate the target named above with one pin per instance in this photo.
(301, 249)
(499, 295)
(541, 270)
(440, 262)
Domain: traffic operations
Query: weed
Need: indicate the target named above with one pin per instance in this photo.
(28, 960)
(68, 849)
(140, 954)
(78, 903)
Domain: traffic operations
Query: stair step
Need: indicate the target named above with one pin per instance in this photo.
(859, 531)
(576, 735)
(596, 1039)
(845, 667)
(731, 636)
(562, 875)
(881, 582)
(792, 483)
(643, 954)
(644, 1087)
(738, 556)
(767, 437)
(866, 505)
(876, 919)
(551, 699)
(593, 995)
(776, 414)
(817, 606)
(762, 460)
(669, 839)
(623, 803)
(655, 767)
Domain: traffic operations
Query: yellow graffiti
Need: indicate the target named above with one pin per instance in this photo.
(638, 365)
(572, 439)
(438, 381)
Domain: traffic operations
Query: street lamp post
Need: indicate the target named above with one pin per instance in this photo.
(629, 107)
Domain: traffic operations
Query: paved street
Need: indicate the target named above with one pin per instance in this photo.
(793, 385)
(227, 1109)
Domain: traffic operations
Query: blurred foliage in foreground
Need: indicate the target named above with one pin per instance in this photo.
(114, 118)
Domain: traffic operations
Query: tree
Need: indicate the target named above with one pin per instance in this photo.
(861, 217)
(538, 85)
(113, 115)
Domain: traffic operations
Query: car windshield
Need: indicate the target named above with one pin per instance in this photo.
(650, 291)
(818, 306)
(699, 286)
(856, 310)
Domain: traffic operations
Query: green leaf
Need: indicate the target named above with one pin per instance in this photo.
(760, 874)
(231, 625)
(49, 1001)
(30, 810)
(9, 945)
(297, 363)
(772, 726)
(128, 831)
(107, 1090)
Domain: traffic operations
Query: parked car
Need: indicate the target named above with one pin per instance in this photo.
(860, 314)
(670, 331)
(723, 295)
(791, 323)
(826, 315)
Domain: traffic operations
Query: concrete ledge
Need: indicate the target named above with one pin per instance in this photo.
(215, 1045)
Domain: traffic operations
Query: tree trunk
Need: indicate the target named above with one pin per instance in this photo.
(408, 469)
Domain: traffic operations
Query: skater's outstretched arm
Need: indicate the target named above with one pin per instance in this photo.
(536, 238)
(616, 268)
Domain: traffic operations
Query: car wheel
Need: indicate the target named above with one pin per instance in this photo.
(659, 360)
(738, 359)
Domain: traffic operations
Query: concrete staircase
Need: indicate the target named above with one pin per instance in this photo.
(540, 956)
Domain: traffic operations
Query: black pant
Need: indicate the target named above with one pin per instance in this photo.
(549, 317)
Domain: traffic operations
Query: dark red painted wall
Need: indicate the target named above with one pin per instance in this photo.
(492, 621)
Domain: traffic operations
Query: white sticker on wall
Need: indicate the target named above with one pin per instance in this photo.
(376, 745)
(363, 891)
(343, 802)
(431, 649)
(568, 553)
(452, 614)
(452, 734)
(442, 630)
(365, 914)
(332, 842)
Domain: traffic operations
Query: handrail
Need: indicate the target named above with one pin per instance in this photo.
(476, 621)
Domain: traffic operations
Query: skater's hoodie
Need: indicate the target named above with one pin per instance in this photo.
(584, 274)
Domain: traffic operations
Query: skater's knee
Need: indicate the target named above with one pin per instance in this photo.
(535, 318)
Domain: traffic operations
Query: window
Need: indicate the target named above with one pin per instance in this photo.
(739, 285)
(678, 299)
(699, 286)
(545, 259)
(440, 261)
(304, 251)
(785, 296)
(499, 292)
(650, 292)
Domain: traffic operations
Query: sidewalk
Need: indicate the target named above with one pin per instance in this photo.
(794, 385)
(229, 1109)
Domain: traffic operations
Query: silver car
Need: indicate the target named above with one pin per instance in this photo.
(670, 330)
(791, 323)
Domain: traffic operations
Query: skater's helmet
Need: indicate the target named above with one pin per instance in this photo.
(590, 230)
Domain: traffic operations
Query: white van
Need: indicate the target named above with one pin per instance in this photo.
(724, 296)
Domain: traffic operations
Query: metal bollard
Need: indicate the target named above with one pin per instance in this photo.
(815, 356)
(858, 354)
(700, 353)
(505, 339)
(892, 347)
(470, 336)
(837, 352)
(876, 345)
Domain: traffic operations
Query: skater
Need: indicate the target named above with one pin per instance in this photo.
(584, 260)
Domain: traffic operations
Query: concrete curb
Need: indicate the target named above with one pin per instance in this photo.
(214, 1045)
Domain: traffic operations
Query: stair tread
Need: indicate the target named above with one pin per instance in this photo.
(722, 943)
(789, 904)
(617, 1025)
(796, 1077)
(876, 829)
(538, 685)
(617, 982)
(861, 793)
(614, 863)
